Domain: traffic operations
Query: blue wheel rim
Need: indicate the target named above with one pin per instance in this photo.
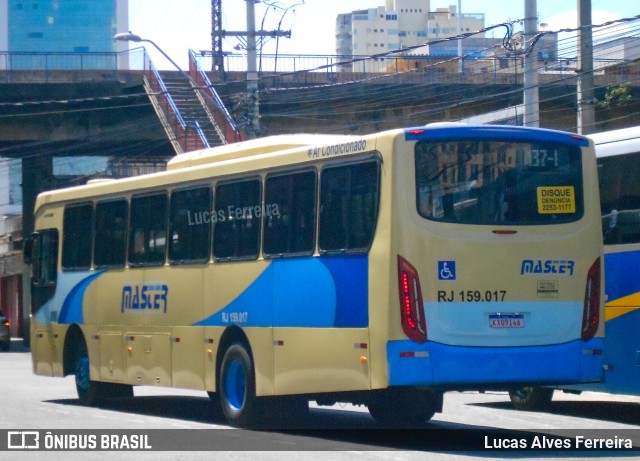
(235, 385)
(82, 374)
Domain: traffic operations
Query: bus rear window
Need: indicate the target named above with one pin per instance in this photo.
(499, 182)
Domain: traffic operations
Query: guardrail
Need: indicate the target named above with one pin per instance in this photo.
(60, 67)
(281, 71)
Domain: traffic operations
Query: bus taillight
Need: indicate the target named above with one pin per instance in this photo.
(411, 307)
(591, 314)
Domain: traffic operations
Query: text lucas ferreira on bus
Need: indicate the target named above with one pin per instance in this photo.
(271, 210)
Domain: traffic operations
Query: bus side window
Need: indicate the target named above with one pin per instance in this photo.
(148, 230)
(348, 207)
(76, 237)
(44, 263)
(289, 214)
(236, 233)
(110, 245)
(620, 198)
(45, 257)
(190, 225)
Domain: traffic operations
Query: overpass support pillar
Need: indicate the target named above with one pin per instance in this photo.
(37, 176)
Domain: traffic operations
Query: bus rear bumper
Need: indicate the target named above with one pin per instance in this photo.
(429, 364)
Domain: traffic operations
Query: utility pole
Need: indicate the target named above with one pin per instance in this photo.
(530, 97)
(253, 128)
(459, 20)
(216, 37)
(586, 107)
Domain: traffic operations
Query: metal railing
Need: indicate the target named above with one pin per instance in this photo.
(222, 118)
(74, 67)
(184, 136)
(60, 67)
(278, 71)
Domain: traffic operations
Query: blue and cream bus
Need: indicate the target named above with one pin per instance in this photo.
(379, 270)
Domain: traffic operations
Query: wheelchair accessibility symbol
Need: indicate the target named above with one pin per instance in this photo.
(446, 270)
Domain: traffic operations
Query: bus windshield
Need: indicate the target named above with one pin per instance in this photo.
(494, 182)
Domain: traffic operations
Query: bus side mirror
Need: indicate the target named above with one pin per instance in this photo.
(27, 252)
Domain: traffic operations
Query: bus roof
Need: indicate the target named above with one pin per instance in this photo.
(623, 134)
(253, 147)
(188, 166)
(617, 142)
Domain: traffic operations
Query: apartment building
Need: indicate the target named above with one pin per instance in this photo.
(398, 25)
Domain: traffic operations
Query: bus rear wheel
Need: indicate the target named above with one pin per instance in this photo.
(531, 398)
(237, 387)
(401, 407)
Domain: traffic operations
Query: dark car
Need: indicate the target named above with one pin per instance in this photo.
(5, 333)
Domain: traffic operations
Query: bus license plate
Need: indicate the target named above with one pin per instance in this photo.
(506, 320)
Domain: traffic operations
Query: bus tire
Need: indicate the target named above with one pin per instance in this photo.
(531, 398)
(402, 407)
(238, 387)
(88, 390)
(92, 393)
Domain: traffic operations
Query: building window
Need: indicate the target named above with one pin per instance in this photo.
(35, 35)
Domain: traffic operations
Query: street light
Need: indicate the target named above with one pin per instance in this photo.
(130, 37)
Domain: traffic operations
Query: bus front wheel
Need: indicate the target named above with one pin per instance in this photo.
(237, 387)
(531, 398)
(90, 392)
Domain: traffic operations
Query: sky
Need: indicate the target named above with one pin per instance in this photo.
(177, 26)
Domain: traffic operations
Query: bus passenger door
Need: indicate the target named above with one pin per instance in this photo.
(44, 276)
